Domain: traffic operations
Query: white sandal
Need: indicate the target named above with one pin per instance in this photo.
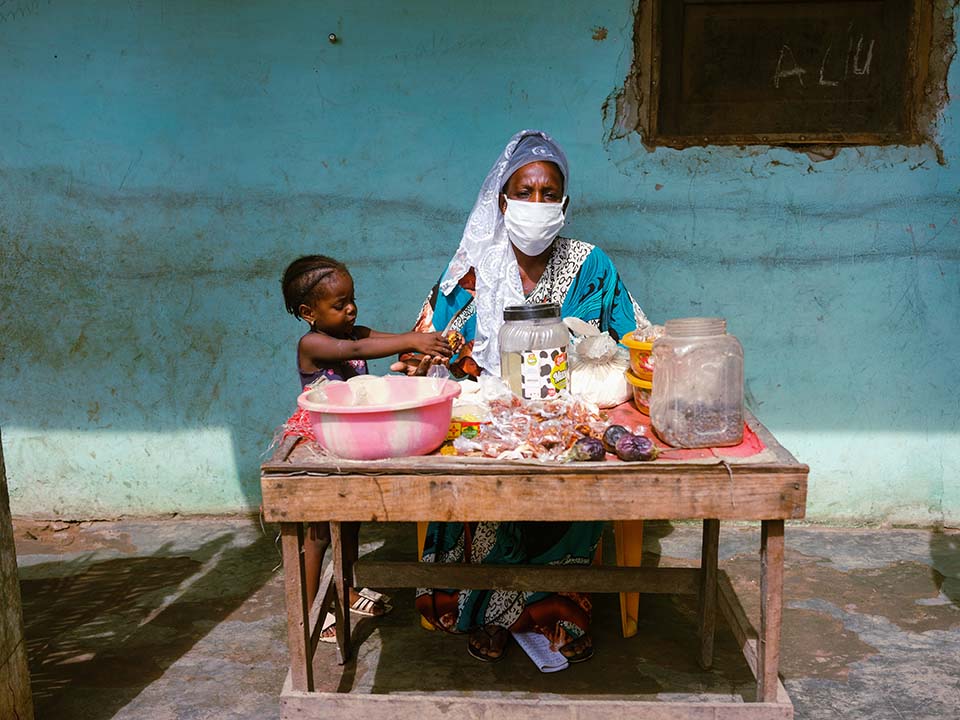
(367, 600)
(328, 622)
(363, 605)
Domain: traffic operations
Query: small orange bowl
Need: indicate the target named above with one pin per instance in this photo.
(642, 390)
(640, 360)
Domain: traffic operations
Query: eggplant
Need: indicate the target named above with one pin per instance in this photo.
(587, 449)
(611, 435)
(635, 447)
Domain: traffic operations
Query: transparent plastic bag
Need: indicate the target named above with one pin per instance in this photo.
(597, 365)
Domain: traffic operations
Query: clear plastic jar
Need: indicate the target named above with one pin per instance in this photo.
(697, 396)
(533, 351)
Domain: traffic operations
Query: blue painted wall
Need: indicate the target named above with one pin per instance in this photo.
(161, 162)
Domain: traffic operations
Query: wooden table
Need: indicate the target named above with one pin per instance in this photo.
(300, 486)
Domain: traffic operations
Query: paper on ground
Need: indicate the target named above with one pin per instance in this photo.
(537, 647)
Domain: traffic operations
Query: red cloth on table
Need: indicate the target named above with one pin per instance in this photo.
(628, 416)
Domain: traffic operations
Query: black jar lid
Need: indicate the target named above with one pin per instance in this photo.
(538, 311)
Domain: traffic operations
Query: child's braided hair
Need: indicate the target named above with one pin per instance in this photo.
(303, 278)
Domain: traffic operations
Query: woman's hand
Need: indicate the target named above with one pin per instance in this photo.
(415, 366)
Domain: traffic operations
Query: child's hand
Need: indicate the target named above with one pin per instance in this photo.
(434, 344)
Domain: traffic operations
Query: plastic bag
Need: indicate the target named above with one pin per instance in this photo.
(597, 365)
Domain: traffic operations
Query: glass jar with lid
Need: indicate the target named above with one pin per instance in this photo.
(533, 351)
(697, 398)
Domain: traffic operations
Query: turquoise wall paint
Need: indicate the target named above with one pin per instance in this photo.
(161, 162)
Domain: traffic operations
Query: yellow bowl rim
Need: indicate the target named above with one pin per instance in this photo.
(636, 344)
(637, 382)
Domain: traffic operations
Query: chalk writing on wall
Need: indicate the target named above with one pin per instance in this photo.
(856, 62)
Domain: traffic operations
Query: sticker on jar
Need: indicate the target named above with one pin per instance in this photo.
(543, 373)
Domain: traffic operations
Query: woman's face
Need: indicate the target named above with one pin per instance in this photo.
(536, 182)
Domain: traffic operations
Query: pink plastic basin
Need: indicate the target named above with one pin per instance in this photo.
(411, 417)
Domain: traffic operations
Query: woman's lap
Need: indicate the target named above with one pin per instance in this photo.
(560, 616)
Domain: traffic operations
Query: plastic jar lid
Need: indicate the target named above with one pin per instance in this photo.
(539, 311)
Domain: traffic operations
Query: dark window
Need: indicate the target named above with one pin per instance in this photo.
(781, 72)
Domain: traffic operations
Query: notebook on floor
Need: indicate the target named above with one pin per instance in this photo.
(537, 647)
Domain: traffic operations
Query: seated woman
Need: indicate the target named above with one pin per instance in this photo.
(511, 253)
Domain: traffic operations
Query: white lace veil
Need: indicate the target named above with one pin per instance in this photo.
(485, 246)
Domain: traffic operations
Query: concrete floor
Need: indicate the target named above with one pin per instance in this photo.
(183, 618)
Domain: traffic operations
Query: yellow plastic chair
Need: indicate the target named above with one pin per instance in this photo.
(628, 536)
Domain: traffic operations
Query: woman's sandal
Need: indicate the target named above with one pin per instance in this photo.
(584, 653)
(495, 636)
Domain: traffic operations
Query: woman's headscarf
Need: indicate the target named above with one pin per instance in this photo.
(485, 246)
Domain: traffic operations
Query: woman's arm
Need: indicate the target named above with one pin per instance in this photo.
(323, 349)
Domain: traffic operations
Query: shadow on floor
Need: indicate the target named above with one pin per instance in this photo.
(120, 623)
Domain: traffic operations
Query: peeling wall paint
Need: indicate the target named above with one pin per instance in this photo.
(160, 164)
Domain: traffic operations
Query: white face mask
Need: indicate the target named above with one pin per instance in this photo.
(532, 226)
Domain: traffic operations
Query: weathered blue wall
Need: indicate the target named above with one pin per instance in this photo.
(160, 163)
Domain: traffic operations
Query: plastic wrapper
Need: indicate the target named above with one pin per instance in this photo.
(649, 333)
(597, 364)
(542, 429)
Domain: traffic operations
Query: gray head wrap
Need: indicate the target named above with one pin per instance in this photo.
(536, 148)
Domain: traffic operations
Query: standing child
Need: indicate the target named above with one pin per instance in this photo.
(319, 289)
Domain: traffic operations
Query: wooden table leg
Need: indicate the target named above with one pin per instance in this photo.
(771, 608)
(707, 611)
(342, 579)
(295, 589)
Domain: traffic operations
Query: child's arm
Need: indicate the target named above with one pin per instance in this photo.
(321, 348)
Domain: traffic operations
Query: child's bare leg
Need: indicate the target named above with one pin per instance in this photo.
(351, 540)
(314, 546)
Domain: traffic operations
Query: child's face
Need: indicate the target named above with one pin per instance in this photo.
(335, 310)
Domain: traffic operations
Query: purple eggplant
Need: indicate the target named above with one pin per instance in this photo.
(611, 435)
(635, 447)
(587, 449)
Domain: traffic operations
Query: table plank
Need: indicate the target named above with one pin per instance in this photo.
(783, 455)
(532, 578)
(690, 492)
(298, 628)
(342, 573)
(771, 608)
(345, 706)
(707, 595)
